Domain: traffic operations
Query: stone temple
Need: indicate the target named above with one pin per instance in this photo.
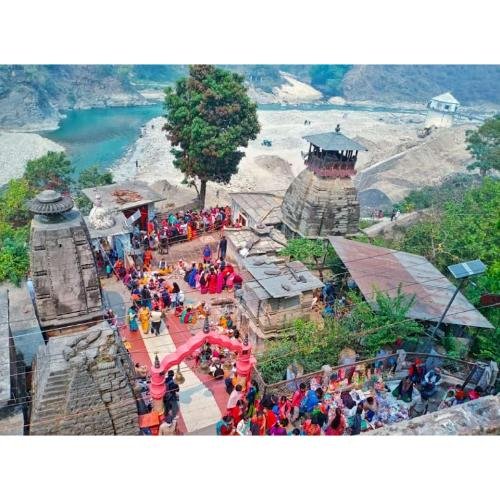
(64, 273)
(322, 200)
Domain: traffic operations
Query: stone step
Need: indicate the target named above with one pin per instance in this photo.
(46, 414)
(57, 378)
(52, 400)
(51, 393)
(57, 385)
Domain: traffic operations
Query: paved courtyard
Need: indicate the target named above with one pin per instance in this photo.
(202, 399)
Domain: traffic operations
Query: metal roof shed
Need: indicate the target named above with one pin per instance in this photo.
(377, 268)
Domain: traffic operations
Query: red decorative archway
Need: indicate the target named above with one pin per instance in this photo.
(244, 363)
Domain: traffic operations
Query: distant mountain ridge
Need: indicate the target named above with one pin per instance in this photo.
(36, 96)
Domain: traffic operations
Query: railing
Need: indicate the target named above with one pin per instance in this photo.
(357, 373)
(330, 161)
(181, 238)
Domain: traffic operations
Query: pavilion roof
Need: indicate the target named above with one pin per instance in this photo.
(334, 141)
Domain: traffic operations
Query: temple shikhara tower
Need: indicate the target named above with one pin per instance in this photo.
(67, 290)
(322, 200)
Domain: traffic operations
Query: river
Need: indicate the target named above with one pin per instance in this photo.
(101, 136)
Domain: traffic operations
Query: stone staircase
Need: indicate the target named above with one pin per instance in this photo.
(48, 405)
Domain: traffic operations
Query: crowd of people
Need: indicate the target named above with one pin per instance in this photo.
(181, 226)
(346, 402)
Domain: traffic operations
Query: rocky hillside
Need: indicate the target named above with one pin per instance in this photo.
(471, 85)
(33, 97)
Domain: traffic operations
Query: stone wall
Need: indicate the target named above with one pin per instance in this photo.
(316, 207)
(83, 385)
(481, 416)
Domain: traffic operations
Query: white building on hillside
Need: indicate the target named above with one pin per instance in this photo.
(441, 110)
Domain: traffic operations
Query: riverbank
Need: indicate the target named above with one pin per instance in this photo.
(17, 148)
(273, 168)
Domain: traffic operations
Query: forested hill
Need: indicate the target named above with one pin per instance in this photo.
(36, 95)
(471, 85)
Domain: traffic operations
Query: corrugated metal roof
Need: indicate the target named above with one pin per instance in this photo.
(334, 141)
(289, 280)
(377, 268)
(447, 97)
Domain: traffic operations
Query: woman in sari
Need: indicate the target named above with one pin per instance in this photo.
(186, 316)
(132, 319)
(189, 232)
(148, 256)
(144, 315)
(220, 282)
(338, 424)
(404, 390)
(212, 283)
(193, 274)
(204, 283)
(192, 225)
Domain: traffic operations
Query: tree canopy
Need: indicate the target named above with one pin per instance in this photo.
(461, 228)
(51, 171)
(484, 145)
(364, 329)
(209, 118)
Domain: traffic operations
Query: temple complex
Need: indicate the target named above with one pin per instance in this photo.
(322, 200)
(66, 287)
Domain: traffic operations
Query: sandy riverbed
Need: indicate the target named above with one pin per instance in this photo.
(273, 168)
(16, 148)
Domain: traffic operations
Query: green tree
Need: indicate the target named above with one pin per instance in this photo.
(366, 329)
(13, 209)
(312, 253)
(14, 260)
(484, 145)
(88, 178)
(209, 118)
(51, 171)
(460, 230)
(384, 322)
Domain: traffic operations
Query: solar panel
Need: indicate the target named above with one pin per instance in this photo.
(465, 269)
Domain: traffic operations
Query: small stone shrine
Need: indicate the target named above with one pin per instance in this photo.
(64, 273)
(322, 200)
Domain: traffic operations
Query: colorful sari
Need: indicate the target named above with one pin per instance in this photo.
(192, 278)
(212, 283)
(203, 284)
(144, 319)
(132, 320)
(220, 282)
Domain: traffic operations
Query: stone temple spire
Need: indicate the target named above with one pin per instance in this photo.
(67, 289)
(322, 200)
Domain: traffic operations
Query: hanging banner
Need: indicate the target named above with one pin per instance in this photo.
(134, 217)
